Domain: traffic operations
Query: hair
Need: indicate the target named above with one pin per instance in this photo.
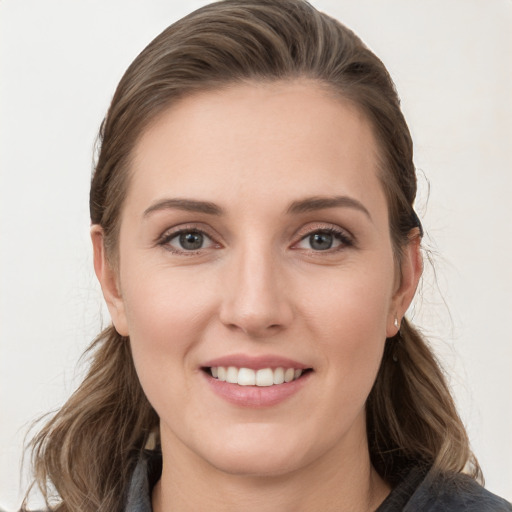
(85, 454)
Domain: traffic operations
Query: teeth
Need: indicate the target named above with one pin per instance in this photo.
(278, 376)
(265, 377)
(221, 373)
(249, 377)
(289, 374)
(232, 375)
(246, 377)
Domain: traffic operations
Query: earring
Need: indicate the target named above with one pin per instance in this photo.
(396, 339)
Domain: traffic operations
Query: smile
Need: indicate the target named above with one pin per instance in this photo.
(256, 381)
(263, 377)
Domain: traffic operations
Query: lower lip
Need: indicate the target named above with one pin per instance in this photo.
(256, 396)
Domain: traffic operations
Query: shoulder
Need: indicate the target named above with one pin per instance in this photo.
(454, 492)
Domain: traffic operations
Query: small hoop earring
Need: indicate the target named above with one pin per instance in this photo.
(397, 323)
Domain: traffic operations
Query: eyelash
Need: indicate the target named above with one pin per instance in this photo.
(167, 237)
(341, 235)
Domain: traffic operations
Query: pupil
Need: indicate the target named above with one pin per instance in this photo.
(321, 241)
(191, 241)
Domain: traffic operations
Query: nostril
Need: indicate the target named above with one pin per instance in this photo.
(255, 327)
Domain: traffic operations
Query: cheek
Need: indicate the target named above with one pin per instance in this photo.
(166, 319)
(349, 322)
(352, 303)
(166, 313)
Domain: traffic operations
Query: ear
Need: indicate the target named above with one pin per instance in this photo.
(108, 278)
(411, 269)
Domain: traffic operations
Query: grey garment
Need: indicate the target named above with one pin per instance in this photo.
(417, 492)
(139, 494)
(146, 474)
(420, 491)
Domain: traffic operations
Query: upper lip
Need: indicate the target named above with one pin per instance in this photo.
(255, 362)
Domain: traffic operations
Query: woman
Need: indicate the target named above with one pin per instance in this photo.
(256, 243)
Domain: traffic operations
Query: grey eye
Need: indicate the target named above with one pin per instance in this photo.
(191, 241)
(321, 241)
(324, 240)
(187, 241)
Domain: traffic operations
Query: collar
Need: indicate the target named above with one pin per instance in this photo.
(146, 474)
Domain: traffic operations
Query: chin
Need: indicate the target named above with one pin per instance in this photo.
(258, 456)
(255, 465)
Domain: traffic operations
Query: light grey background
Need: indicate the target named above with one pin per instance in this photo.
(60, 62)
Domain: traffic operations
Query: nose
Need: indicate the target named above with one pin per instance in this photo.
(256, 299)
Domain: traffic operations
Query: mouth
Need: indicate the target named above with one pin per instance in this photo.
(263, 377)
(256, 381)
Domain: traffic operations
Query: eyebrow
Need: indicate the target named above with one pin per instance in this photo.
(314, 203)
(189, 205)
(306, 205)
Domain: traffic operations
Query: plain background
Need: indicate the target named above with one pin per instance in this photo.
(60, 62)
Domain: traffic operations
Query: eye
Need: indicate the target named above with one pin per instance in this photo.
(189, 240)
(324, 240)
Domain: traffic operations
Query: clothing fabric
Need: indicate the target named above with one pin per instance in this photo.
(418, 491)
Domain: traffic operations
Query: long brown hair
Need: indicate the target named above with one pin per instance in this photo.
(86, 452)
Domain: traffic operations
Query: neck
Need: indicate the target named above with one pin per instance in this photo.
(335, 483)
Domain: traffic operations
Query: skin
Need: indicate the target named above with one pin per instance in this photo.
(258, 286)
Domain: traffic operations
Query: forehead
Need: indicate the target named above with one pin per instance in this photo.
(257, 140)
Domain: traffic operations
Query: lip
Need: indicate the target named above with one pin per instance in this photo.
(256, 396)
(255, 362)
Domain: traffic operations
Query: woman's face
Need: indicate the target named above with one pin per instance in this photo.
(255, 235)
